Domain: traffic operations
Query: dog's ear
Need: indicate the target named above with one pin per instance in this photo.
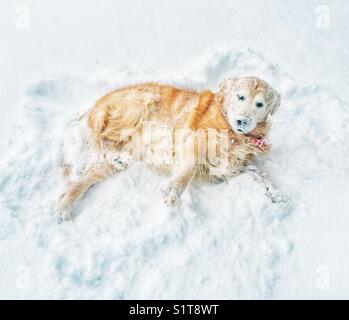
(226, 89)
(227, 85)
(274, 100)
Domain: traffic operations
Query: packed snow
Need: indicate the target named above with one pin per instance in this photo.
(226, 241)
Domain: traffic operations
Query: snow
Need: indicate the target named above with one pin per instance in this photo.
(226, 240)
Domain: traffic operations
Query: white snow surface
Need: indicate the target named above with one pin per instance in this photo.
(226, 241)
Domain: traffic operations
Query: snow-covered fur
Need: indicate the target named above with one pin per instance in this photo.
(189, 134)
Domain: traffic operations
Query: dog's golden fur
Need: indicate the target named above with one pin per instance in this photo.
(123, 113)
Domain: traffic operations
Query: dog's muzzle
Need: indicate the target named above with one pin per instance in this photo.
(243, 124)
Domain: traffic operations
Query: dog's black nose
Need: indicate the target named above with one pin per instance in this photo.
(243, 122)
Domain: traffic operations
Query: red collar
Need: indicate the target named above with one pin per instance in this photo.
(258, 142)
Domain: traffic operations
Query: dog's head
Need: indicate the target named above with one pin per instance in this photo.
(248, 102)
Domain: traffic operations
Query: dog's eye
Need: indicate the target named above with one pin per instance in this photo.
(259, 104)
(241, 98)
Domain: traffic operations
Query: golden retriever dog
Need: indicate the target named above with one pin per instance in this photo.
(182, 133)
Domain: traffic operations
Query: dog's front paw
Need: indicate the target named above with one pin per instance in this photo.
(274, 195)
(119, 164)
(63, 215)
(63, 211)
(118, 160)
(171, 194)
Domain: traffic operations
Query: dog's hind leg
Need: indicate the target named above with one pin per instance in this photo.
(76, 189)
(67, 172)
(271, 192)
(174, 188)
